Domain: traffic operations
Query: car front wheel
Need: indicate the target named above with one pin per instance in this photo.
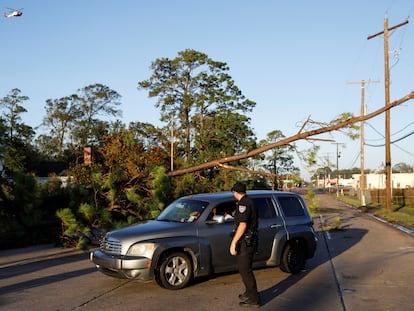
(175, 271)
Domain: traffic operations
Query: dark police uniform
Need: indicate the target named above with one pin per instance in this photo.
(246, 212)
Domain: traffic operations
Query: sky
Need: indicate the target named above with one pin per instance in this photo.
(295, 59)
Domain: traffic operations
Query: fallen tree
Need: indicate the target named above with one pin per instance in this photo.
(299, 136)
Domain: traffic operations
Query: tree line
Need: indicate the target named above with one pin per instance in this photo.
(205, 116)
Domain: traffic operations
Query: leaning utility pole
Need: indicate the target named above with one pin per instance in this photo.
(362, 179)
(388, 189)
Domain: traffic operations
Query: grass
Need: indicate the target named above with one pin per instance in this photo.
(399, 215)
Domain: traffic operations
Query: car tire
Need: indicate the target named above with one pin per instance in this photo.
(175, 271)
(293, 258)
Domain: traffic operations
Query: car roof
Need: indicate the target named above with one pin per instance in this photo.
(213, 196)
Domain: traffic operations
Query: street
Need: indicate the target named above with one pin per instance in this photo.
(366, 265)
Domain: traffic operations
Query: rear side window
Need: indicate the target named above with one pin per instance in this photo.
(264, 208)
(291, 206)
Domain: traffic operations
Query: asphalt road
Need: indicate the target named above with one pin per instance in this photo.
(367, 265)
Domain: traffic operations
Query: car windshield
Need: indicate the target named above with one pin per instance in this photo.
(183, 210)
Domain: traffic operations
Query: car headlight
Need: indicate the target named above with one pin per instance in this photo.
(142, 249)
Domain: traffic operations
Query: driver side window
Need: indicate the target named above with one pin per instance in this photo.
(224, 209)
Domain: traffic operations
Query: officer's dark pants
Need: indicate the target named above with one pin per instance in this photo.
(244, 265)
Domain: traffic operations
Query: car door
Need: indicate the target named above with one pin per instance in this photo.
(269, 224)
(218, 237)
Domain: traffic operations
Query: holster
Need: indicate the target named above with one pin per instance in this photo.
(250, 237)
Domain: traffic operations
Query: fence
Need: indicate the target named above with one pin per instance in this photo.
(400, 197)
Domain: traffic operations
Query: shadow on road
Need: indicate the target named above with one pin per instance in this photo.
(346, 239)
(38, 264)
(45, 280)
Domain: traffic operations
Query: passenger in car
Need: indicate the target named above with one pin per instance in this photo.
(228, 217)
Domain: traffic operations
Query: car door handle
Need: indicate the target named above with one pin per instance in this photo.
(275, 226)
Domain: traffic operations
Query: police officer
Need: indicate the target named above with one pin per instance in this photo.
(244, 244)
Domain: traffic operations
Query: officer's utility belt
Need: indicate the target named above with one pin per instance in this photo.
(250, 236)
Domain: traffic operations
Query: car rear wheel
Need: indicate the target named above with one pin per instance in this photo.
(175, 271)
(293, 258)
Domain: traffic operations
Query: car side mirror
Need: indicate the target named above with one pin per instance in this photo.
(217, 219)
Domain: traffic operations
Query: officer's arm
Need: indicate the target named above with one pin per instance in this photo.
(237, 236)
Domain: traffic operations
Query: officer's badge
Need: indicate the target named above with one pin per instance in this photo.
(242, 208)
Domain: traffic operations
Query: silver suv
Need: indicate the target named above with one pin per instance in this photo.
(191, 238)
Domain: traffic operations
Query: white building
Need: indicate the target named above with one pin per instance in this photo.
(374, 181)
(377, 181)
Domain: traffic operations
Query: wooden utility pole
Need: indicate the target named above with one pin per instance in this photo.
(337, 167)
(362, 179)
(388, 186)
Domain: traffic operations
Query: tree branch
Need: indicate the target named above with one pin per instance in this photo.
(242, 169)
(293, 138)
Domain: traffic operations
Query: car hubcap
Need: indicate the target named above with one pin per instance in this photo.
(176, 271)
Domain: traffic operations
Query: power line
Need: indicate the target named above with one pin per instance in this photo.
(407, 152)
(378, 132)
(403, 129)
(382, 136)
(392, 142)
(355, 160)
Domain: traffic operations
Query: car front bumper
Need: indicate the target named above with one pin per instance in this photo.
(126, 267)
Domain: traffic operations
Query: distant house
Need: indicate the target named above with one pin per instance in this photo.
(45, 180)
(47, 168)
(47, 171)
